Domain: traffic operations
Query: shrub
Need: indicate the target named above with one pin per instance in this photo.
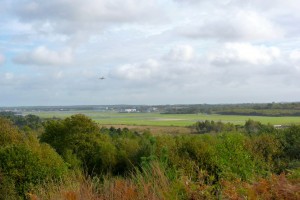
(234, 159)
(216, 127)
(9, 134)
(292, 142)
(7, 188)
(126, 154)
(266, 149)
(25, 168)
(78, 140)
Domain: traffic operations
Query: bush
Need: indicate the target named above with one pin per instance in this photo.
(9, 134)
(266, 149)
(7, 188)
(214, 127)
(79, 141)
(24, 162)
(127, 154)
(292, 142)
(234, 159)
(25, 168)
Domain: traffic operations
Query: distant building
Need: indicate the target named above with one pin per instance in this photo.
(277, 126)
(152, 109)
(130, 110)
(280, 126)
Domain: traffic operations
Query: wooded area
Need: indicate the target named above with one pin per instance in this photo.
(74, 158)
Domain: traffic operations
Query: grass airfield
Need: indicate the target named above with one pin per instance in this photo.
(157, 119)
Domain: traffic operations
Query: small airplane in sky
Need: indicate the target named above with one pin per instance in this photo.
(102, 78)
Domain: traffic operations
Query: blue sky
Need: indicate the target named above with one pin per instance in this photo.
(149, 51)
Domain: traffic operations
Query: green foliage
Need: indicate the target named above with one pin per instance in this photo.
(127, 154)
(24, 162)
(26, 168)
(8, 133)
(292, 142)
(7, 188)
(166, 166)
(64, 134)
(215, 127)
(79, 141)
(234, 160)
(29, 121)
(154, 179)
(53, 164)
(22, 166)
(193, 154)
(266, 149)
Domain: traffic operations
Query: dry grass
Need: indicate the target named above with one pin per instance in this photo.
(276, 187)
(151, 184)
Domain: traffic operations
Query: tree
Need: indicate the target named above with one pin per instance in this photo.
(24, 168)
(252, 126)
(78, 137)
(8, 133)
(292, 142)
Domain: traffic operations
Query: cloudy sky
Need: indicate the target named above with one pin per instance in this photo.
(149, 51)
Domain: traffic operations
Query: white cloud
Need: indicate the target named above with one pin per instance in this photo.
(295, 55)
(139, 72)
(178, 68)
(8, 76)
(71, 16)
(233, 25)
(229, 47)
(2, 59)
(245, 53)
(228, 63)
(181, 53)
(295, 59)
(44, 56)
(59, 75)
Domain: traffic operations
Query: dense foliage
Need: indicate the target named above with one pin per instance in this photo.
(23, 122)
(123, 164)
(25, 162)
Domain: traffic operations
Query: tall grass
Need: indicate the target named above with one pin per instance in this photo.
(153, 184)
(150, 183)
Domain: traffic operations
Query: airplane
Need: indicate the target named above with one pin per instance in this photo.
(102, 78)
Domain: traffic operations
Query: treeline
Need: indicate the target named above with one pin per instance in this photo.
(255, 109)
(23, 122)
(235, 163)
(250, 127)
(260, 112)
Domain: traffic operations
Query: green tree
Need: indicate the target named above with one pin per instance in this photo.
(292, 142)
(25, 168)
(252, 126)
(235, 160)
(78, 137)
(8, 133)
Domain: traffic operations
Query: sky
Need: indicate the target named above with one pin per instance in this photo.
(149, 51)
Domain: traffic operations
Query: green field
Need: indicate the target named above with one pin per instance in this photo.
(156, 119)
